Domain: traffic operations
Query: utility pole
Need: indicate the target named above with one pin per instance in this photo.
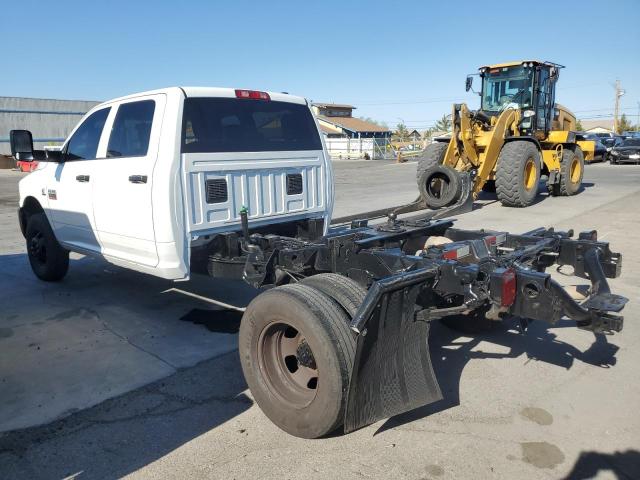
(619, 92)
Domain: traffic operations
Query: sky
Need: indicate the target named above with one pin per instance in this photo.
(402, 61)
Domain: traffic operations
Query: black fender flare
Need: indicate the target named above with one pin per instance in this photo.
(29, 207)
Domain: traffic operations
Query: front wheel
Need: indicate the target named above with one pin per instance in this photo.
(518, 174)
(49, 261)
(297, 354)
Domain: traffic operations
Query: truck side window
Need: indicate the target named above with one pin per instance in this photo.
(83, 145)
(131, 129)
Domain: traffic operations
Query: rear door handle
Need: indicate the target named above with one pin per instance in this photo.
(138, 179)
(82, 178)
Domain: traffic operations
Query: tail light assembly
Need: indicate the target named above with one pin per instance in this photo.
(503, 286)
(252, 95)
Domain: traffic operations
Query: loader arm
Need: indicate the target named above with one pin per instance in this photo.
(492, 141)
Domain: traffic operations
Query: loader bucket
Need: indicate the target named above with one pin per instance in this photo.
(392, 372)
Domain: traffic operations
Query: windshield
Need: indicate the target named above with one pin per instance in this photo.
(502, 86)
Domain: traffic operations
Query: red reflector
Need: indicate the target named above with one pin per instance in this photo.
(508, 287)
(252, 94)
(490, 240)
(450, 255)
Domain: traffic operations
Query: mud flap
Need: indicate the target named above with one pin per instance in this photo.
(392, 372)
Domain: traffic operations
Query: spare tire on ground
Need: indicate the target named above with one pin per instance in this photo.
(439, 186)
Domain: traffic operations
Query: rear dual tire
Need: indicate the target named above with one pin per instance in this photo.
(297, 352)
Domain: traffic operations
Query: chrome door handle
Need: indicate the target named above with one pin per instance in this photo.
(82, 178)
(138, 179)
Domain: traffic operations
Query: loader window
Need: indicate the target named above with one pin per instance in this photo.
(240, 125)
(502, 86)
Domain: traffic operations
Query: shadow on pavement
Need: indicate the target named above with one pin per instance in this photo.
(624, 465)
(449, 356)
(123, 434)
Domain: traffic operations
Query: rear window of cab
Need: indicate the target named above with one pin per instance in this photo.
(246, 125)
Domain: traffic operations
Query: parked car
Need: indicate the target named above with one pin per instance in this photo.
(612, 141)
(631, 133)
(628, 152)
(600, 151)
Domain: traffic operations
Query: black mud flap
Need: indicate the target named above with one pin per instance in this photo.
(392, 372)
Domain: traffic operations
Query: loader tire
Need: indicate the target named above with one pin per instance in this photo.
(518, 174)
(433, 155)
(344, 291)
(571, 171)
(439, 186)
(297, 354)
(48, 260)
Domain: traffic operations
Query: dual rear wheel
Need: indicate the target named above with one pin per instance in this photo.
(297, 352)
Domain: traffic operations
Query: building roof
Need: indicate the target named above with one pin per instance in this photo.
(606, 123)
(353, 124)
(333, 105)
(329, 129)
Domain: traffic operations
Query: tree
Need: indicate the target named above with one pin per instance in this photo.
(401, 131)
(579, 126)
(624, 125)
(444, 124)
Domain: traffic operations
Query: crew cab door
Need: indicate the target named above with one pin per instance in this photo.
(70, 190)
(122, 201)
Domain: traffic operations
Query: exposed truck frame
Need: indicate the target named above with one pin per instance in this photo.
(408, 285)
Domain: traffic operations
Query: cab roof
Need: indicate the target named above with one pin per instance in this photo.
(520, 62)
(211, 92)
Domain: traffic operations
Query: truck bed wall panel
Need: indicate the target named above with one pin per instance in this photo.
(257, 181)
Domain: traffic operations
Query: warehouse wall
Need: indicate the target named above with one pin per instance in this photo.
(50, 121)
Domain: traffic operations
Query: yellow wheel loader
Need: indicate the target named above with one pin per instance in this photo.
(518, 134)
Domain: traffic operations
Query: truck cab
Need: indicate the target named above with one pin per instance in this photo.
(143, 178)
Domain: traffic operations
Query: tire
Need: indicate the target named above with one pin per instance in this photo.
(571, 172)
(49, 261)
(433, 155)
(287, 334)
(439, 186)
(518, 174)
(344, 291)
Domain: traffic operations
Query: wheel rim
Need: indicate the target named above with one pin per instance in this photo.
(437, 185)
(530, 174)
(288, 365)
(37, 248)
(575, 171)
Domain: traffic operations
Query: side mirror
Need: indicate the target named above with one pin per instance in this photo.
(469, 83)
(21, 145)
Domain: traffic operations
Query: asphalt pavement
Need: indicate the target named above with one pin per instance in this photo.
(113, 373)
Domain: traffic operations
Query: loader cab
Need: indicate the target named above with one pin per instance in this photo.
(528, 85)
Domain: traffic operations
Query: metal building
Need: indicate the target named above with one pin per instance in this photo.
(50, 121)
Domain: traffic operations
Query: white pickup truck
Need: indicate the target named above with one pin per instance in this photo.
(237, 184)
(144, 177)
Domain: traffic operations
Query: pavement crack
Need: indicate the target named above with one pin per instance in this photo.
(134, 345)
